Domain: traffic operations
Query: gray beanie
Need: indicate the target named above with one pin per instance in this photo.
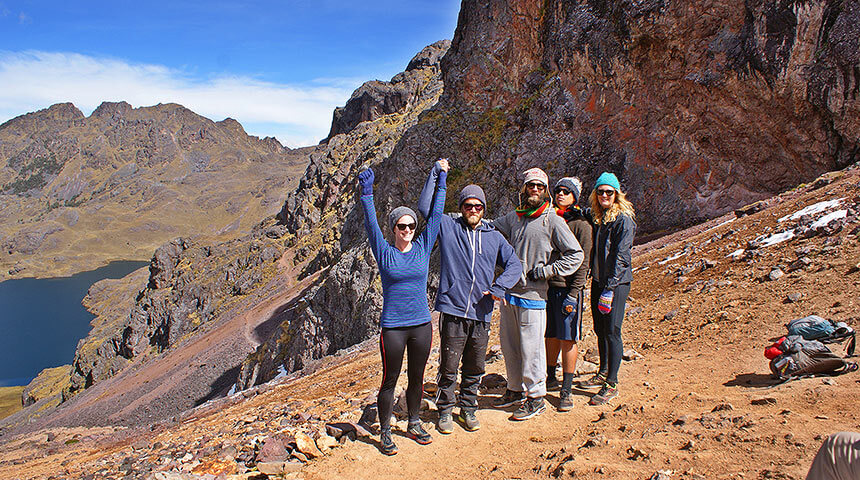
(472, 191)
(571, 183)
(398, 212)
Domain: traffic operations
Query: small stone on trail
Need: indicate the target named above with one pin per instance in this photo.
(661, 475)
(585, 367)
(630, 355)
(306, 445)
(494, 354)
(822, 417)
(794, 297)
(670, 315)
(829, 381)
(775, 274)
(723, 407)
(763, 401)
(493, 381)
(689, 445)
(636, 454)
(682, 420)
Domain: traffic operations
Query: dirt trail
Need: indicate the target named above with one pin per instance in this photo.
(699, 403)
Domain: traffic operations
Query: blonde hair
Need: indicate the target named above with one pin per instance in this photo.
(620, 205)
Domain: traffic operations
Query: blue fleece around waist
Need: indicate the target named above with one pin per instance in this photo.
(525, 302)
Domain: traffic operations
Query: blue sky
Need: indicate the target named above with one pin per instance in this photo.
(279, 68)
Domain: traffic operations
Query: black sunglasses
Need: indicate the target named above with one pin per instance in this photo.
(562, 190)
(404, 226)
(605, 193)
(536, 185)
(475, 207)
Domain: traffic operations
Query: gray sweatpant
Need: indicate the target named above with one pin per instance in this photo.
(522, 336)
(837, 459)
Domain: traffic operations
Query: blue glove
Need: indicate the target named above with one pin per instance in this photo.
(365, 179)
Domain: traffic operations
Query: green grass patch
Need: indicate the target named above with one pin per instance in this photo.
(10, 400)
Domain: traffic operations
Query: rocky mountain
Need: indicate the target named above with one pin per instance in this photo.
(697, 114)
(244, 292)
(77, 192)
(700, 107)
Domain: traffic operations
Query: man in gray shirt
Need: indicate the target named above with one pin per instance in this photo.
(535, 231)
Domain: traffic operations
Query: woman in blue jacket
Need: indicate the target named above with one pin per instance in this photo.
(405, 320)
(611, 271)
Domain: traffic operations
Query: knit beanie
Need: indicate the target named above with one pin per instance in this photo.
(398, 212)
(472, 191)
(536, 175)
(607, 178)
(571, 183)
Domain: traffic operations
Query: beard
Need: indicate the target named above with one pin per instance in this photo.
(535, 200)
(472, 220)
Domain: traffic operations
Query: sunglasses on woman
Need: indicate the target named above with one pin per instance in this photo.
(404, 226)
(605, 193)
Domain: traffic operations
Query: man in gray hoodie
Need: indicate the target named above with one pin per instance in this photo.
(471, 249)
(535, 231)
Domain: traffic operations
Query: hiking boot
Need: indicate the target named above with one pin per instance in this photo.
(446, 423)
(470, 421)
(607, 392)
(594, 382)
(416, 432)
(565, 402)
(530, 408)
(509, 398)
(386, 443)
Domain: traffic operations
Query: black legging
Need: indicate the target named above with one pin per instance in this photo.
(392, 343)
(607, 326)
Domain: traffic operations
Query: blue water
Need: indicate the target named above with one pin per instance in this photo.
(41, 320)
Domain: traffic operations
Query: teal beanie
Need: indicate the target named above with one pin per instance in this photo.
(607, 178)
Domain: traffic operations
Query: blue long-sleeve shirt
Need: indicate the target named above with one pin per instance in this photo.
(404, 274)
(469, 258)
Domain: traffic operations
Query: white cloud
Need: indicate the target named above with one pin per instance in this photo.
(296, 113)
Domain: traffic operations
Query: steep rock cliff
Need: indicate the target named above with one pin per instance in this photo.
(700, 107)
(326, 230)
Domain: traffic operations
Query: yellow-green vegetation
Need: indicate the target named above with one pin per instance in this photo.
(10, 400)
(49, 382)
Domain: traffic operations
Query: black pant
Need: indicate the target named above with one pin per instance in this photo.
(466, 339)
(607, 326)
(392, 343)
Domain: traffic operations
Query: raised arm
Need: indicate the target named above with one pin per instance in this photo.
(371, 225)
(432, 230)
(425, 200)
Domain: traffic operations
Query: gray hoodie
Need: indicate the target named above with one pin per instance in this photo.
(534, 240)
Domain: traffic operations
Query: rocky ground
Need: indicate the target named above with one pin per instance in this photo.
(697, 399)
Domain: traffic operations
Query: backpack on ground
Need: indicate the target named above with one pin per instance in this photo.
(814, 327)
(803, 353)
